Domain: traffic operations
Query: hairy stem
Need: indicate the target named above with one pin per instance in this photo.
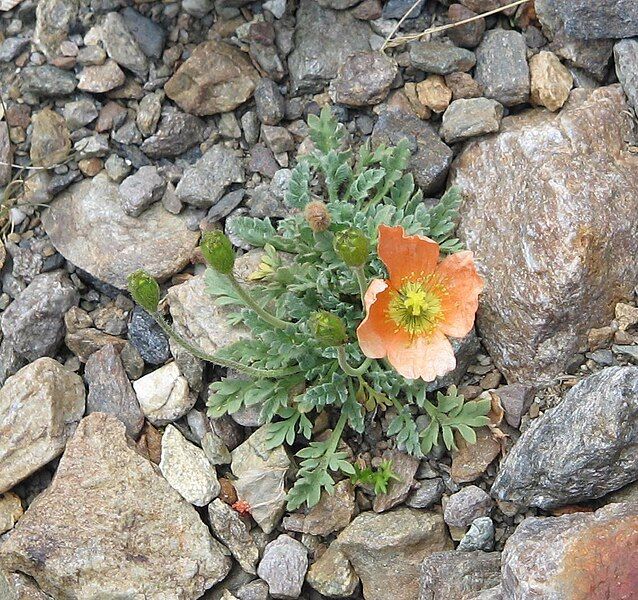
(363, 283)
(252, 304)
(218, 360)
(347, 369)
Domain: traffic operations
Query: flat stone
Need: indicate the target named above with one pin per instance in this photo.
(206, 181)
(466, 505)
(283, 567)
(85, 342)
(53, 18)
(428, 493)
(148, 113)
(434, 93)
(149, 36)
(128, 530)
(215, 449)
(546, 183)
(386, 550)
(163, 395)
(269, 102)
(176, 133)
(583, 449)
(464, 119)
(110, 391)
(468, 35)
(463, 86)
(40, 406)
(50, 139)
(458, 575)
(230, 529)
(582, 555)
(120, 45)
(140, 190)
(501, 67)
(333, 512)
(79, 113)
(323, 39)
(363, 79)
(34, 323)
(430, 158)
(626, 61)
(472, 460)
(332, 575)
(6, 154)
(10, 511)
(439, 58)
(404, 466)
(261, 473)
(216, 78)
(515, 400)
(551, 81)
(187, 469)
(47, 81)
(87, 225)
(99, 79)
(12, 47)
(590, 19)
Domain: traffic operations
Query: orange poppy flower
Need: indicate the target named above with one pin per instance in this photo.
(409, 315)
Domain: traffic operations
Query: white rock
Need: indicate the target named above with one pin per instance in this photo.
(187, 469)
(164, 395)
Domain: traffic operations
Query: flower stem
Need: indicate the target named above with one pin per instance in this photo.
(251, 303)
(347, 369)
(335, 436)
(363, 284)
(218, 360)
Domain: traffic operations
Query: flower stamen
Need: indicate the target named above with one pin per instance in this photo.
(416, 306)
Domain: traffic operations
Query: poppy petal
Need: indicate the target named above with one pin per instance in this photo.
(463, 285)
(374, 330)
(406, 256)
(427, 358)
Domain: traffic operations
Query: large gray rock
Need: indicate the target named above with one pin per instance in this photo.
(110, 526)
(261, 473)
(501, 67)
(561, 192)
(52, 23)
(284, 567)
(120, 44)
(443, 59)
(323, 39)
(430, 159)
(590, 19)
(34, 323)
(40, 406)
(459, 575)
(386, 550)
(583, 449)
(582, 555)
(626, 60)
(88, 227)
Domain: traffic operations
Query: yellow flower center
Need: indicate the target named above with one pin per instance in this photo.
(416, 306)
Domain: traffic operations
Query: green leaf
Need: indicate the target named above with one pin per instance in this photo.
(298, 194)
(259, 232)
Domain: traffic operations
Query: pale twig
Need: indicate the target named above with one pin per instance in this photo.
(391, 43)
(398, 25)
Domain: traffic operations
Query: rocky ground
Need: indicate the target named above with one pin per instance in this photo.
(135, 125)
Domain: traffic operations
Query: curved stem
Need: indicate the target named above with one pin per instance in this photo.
(347, 369)
(335, 436)
(218, 360)
(363, 284)
(250, 302)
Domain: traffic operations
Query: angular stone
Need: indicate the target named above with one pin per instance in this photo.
(626, 61)
(458, 575)
(439, 58)
(561, 192)
(515, 400)
(88, 227)
(40, 407)
(501, 67)
(468, 35)
(386, 550)
(215, 449)
(145, 540)
(79, 113)
(149, 35)
(363, 79)
(269, 102)
(323, 39)
(433, 93)
(141, 189)
(429, 492)
(333, 512)
(472, 460)
(582, 555)
(466, 505)
(6, 154)
(480, 536)
(85, 342)
(110, 390)
(163, 395)
(120, 44)
(206, 181)
(50, 139)
(583, 449)
(47, 81)
(34, 323)
(332, 575)
(404, 467)
(216, 78)
(464, 119)
(261, 473)
(284, 567)
(551, 81)
(10, 511)
(187, 469)
(99, 79)
(229, 528)
(430, 158)
(176, 133)
(590, 19)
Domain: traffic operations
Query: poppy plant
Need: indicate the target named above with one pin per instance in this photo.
(410, 315)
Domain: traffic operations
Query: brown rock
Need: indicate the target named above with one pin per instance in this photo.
(144, 539)
(6, 154)
(468, 35)
(472, 460)
(10, 511)
(85, 342)
(463, 86)
(90, 167)
(551, 81)
(626, 315)
(98, 79)
(411, 94)
(333, 512)
(404, 467)
(434, 94)
(363, 79)
(216, 78)
(561, 192)
(50, 140)
(150, 443)
(600, 337)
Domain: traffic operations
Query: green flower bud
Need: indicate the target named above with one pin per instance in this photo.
(352, 246)
(328, 329)
(144, 289)
(218, 251)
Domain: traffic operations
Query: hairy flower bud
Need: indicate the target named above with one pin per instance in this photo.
(352, 246)
(328, 329)
(144, 289)
(317, 215)
(218, 251)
